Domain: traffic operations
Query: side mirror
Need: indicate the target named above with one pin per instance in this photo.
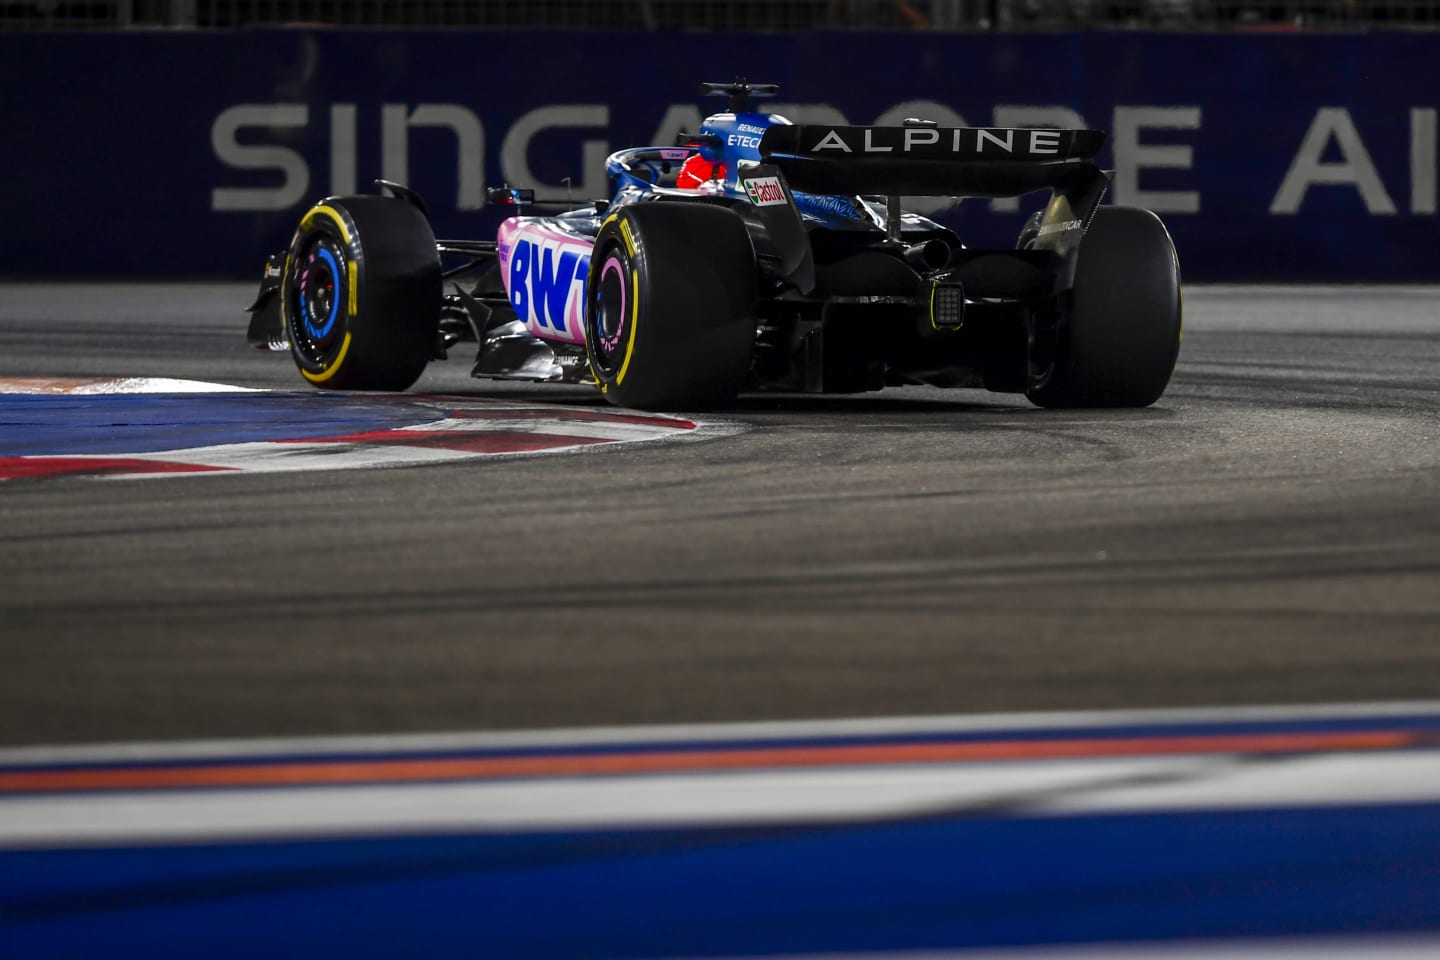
(704, 140)
(509, 197)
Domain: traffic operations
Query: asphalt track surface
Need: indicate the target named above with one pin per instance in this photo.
(1269, 532)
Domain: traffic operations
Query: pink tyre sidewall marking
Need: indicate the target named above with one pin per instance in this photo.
(610, 344)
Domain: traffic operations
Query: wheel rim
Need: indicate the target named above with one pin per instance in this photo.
(611, 314)
(317, 284)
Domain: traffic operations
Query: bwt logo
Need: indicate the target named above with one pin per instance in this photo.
(547, 282)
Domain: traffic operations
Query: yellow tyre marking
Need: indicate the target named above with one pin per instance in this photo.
(1180, 336)
(332, 213)
(629, 240)
(634, 313)
(334, 367)
(285, 285)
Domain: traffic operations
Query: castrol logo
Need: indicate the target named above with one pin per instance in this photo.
(765, 191)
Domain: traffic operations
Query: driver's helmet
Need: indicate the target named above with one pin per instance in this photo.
(696, 171)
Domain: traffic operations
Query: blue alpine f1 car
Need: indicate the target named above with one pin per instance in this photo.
(755, 254)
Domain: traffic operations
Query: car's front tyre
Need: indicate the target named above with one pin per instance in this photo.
(361, 294)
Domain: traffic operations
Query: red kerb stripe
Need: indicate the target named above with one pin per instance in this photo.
(293, 773)
(499, 441)
(14, 468)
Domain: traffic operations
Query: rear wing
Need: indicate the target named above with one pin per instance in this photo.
(923, 160)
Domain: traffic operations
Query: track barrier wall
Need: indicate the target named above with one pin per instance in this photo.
(1271, 156)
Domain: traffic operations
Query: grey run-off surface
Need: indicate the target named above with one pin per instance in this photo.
(1269, 532)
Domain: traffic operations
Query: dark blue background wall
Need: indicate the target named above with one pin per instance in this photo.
(126, 155)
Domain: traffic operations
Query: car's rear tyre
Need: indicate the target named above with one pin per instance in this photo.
(1119, 336)
(670, 306)
(361, 294)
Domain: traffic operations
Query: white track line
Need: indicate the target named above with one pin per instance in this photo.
(60, 386)
(792, 796)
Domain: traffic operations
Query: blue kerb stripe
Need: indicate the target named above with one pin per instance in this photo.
(117, 424)
(924, 883)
